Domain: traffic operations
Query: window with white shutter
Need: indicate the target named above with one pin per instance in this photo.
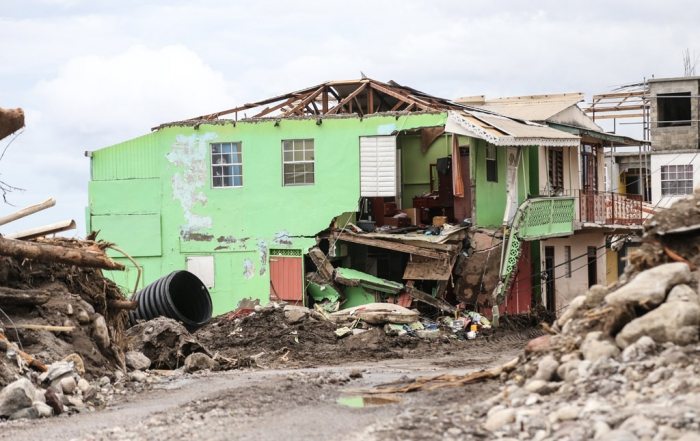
(377, 166)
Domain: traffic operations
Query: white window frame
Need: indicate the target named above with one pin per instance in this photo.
(302, 152)
(220, 163)
(679, 180)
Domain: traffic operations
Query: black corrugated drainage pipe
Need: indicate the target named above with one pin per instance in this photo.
(180, 295)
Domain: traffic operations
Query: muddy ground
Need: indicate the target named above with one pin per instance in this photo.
(266, 339)
(273, 404)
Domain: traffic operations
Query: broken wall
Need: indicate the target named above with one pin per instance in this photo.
(168, 211)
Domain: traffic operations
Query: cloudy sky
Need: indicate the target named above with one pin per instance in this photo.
(90, 73)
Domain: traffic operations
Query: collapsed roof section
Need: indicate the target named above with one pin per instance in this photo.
(366, 96)
(351, 97)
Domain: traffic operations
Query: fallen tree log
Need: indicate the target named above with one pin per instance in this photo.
(56, 254)
(11, 296)
(11, 120)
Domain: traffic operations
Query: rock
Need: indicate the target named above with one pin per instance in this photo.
(77, 361)
(104, 381)
(343, 331)
(56, 371)
(595, 296)
(68, 385)
(600, 429)
(16, 396)
(138, 376)
(53, 401)
(689, 436)
(74, 402)
(295, 314)
(682, 293)
(29, 413)
(595, 346)
(137, 361)
(69, 309)
(648, 288)
(619, 435)
(639, 350)
(100, 332)
(83, 317)
(566, 413)
(39, 395)
(541, 387)
(539, 344)
(639, 425)
(571, 310)
(429, 334)
(198, 361)
(42, 409)
(83, 385)
(499, 418)
(676, 322)
(546, 368)
(568, 371)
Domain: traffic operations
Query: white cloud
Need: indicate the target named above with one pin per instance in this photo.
(113, 98)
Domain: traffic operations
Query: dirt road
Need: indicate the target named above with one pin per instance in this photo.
(266, 404)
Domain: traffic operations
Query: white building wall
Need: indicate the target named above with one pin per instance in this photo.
(567, 288)
(660, 159)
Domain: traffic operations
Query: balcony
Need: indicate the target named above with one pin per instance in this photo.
(544, 217)
(606, 208)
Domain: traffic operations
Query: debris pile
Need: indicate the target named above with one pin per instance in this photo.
(620, 363)
(62, 328)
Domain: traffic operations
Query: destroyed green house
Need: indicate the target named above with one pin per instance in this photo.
(239, 197)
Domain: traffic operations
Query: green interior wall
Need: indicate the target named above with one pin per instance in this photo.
(169, 183)
(415, 165)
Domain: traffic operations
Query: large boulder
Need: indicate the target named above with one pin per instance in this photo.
(649, 288)
(16, 396)
(596, 345)
(675, 321)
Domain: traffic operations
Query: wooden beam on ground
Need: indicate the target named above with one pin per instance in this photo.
(26, 211)
(426, 298)
(389, 245)
(54, 228)
(56, 254)
(12, 296)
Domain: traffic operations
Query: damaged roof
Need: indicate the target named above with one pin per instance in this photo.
(366, 96)
(530, 107)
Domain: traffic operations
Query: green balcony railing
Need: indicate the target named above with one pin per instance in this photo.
(546, 217)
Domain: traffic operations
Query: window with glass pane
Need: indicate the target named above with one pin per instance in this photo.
(676, 180)
(298, 161)
(226, 164)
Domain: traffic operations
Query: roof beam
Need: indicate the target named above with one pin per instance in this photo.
(347, 99)
(305, 101)
(399, 96)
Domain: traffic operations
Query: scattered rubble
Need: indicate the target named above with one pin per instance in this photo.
(617, 365)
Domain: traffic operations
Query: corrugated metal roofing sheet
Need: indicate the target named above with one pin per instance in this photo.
(532, 107)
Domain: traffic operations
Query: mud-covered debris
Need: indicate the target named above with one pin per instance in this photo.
(164, 341)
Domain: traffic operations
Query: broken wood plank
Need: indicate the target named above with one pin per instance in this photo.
(56, 254)
(323, 265)
(423, 268)
(347, 99)
(33, 233)
(26, 211)
(391, 245)
(31, 361)
(426, 298)
(11, 296)
(34, 327)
